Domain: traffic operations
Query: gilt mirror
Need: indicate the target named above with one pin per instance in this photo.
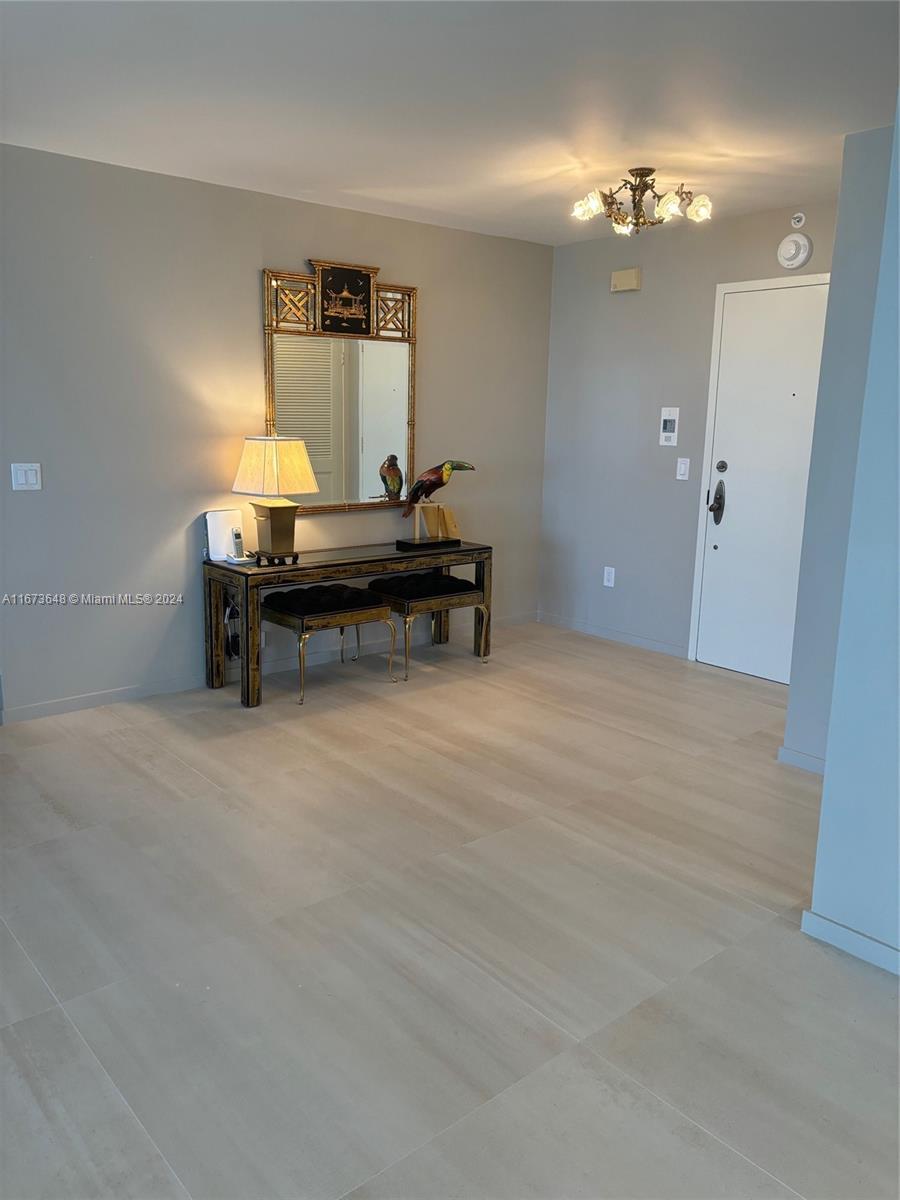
(340, 373)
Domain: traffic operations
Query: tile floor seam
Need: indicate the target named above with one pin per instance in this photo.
(106, 822)
(365, 886)
(622, 857)
(691, 1120)
(770, 916)
(676, 878)
(321, 757)
(581, 1044)
(457, 954)
(373, 882)
(189, 766)
(774, 912)
(11, 850)
(459, 1120)
(156, 741)
(112, 1082)
(353, 886)
(438, 936)
(208, 944)
(49, 1007)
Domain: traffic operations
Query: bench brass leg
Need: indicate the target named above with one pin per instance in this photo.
(342, 643)
(302, 639)
(485, 627)
(407, 629)
(358, 651)
(393, 629)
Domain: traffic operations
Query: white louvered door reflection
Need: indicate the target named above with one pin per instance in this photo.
(309, 390)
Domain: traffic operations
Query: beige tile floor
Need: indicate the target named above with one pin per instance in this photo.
(527, 930)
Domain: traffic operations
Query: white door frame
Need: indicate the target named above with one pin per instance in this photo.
(722, 290)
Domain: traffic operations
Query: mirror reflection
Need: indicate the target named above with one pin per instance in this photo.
(349, 401)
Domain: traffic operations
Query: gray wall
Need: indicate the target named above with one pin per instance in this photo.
(133, 364)
(855, 892)
(610, 494)
(832, 468)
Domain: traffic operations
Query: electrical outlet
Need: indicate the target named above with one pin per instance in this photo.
(609, 576)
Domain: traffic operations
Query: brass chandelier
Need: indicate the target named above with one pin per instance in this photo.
(671, 204)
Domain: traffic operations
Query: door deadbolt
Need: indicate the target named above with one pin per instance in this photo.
(722, 465)
(717, 508)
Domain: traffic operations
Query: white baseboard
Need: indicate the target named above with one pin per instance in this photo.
(860, 945)
(515, 619)
(613, 635)
(137, 691)
(186, 683)
(806, 762)
(183, 683)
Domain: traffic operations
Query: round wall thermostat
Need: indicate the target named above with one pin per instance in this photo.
(798, 220)
(794, 251)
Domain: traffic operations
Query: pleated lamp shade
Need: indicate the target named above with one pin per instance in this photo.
(274, 466)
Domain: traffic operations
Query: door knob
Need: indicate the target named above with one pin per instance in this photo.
(717, 508)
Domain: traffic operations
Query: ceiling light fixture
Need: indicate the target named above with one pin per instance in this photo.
(671, 204)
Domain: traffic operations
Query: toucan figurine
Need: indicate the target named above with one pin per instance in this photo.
(391, 477)
(432, 479)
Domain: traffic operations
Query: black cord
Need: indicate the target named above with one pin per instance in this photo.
(232, 631)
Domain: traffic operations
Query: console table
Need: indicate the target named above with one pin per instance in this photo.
(245, 584)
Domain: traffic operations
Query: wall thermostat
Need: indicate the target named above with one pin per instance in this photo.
(668, 427)
(794, 251)
(798, 220)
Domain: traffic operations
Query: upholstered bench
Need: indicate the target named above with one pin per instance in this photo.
(309, 610)
(429, 592)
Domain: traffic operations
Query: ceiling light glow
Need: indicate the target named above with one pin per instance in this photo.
(668, 206)
(676, 202)
(700, 209)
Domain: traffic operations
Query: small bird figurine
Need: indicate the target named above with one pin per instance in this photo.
(391, 477)
(432, 479)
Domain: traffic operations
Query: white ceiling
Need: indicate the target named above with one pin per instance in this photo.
(492, 117)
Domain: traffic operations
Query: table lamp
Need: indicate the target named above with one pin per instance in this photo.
(273, 467)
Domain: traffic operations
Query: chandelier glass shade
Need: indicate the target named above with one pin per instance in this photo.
(641, 188)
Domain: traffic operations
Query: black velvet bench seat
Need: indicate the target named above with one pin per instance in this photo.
(310, 610)
(246, 585)
(430, 592)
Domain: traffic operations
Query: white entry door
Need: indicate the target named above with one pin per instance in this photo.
(768, 352)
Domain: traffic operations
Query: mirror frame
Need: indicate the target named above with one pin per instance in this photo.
(292, 305)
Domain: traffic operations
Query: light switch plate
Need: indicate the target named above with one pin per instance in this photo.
(683, 468)
(26, 477)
